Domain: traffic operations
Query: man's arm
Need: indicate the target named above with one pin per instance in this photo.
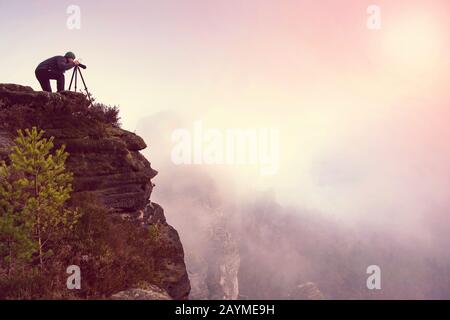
(63, 65)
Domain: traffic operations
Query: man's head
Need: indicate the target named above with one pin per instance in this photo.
(70, 56)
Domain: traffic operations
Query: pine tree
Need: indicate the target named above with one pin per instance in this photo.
(34, 191)
(16, 245)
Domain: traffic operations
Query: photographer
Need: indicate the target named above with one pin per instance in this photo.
(53, 69)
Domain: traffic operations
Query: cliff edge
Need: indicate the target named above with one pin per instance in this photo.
(105, 161)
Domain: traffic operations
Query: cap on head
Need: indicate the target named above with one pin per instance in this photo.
(70, 54)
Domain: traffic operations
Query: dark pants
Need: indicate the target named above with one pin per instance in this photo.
(44, 77)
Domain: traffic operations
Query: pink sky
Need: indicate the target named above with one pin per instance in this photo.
(363, 113)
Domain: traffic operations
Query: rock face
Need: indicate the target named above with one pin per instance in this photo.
(5, 144)
(223, 271)
(214, 271)
(105, 160)
(149, 293)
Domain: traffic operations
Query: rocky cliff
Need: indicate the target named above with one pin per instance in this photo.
(105, 160)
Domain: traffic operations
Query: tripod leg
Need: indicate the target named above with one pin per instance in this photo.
(85, 87)
(76, 75)
(71, 80)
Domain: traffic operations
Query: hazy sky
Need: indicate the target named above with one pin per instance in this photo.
(362, 113)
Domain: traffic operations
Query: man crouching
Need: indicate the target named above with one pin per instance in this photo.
(53, 69)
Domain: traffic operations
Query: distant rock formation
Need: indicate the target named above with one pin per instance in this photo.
(105, 160)
(224, 264)
(306, 291)
(214, 272)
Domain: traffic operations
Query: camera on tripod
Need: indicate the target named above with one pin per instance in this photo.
(75, 73)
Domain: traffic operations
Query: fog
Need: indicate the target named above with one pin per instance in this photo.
(377, 197)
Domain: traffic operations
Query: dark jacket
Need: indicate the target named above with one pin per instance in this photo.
(56, 64)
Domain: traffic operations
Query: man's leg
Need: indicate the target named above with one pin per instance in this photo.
(44, 80)
(60, 80)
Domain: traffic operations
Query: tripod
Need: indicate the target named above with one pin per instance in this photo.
(75, 73)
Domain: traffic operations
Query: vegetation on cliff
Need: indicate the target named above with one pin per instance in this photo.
(43, 230)
(34, 188)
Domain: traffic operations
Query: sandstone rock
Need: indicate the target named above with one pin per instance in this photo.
(6, 142)
(105, 160)
(150, 293)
